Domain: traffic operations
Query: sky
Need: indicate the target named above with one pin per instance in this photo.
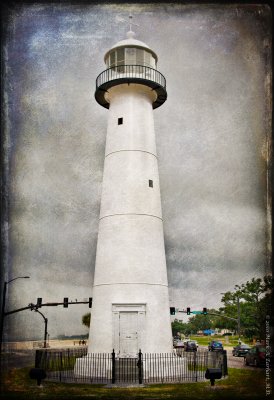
(212, 137)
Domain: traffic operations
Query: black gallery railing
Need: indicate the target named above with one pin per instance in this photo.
(128, 71)
(75, 365)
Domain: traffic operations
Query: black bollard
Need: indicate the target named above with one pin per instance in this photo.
(212, 374)
(38, 374)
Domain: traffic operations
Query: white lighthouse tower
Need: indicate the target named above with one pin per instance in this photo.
(130, 308)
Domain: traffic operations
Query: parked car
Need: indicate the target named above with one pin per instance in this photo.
(215, 346)
(190, 346)
(240, 350)
(186, 340)
(178, 344)
(255, 356)
(176, 340)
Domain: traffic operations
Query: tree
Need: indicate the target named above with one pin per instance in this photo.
(180, 327)
(86, 320)
(202, 322)
(252, 310)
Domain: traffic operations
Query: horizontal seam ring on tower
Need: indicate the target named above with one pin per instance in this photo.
(131, 283)
(141, 151)
(115, 215)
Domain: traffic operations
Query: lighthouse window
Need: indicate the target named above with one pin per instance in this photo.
(112, 59)
(120, 121)
(139, 57)
(117, 58)
(130, 56)
(147, 59)
(150, 183)
(120, 56)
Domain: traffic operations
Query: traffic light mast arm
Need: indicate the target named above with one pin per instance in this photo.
(223, 316)
(33, 306)
(19, 309)
(210, 313)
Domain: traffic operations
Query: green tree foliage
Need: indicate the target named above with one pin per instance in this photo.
(195, 323)
(202, 322)
(179, 327)
(251, 299)
(254, 298)
(86, 320)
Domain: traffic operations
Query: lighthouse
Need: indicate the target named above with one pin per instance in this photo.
(130, 310)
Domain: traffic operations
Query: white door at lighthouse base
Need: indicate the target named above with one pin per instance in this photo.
(128, 328)
(128, 333)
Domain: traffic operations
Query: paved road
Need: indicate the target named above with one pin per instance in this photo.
(232, 362)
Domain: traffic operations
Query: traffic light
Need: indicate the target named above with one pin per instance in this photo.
(204, 310)
(66, 302)
(90, 302)
(188, 310)
(39, 302)
(172, 310)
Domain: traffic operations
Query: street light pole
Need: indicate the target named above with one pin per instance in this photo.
(3, 307)
(46, 328)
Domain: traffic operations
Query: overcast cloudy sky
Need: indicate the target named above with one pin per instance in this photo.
(212, 140)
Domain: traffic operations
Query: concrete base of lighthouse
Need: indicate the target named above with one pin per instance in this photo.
(154, 367)
(130, 317)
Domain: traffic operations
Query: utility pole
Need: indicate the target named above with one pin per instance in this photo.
(239, 316)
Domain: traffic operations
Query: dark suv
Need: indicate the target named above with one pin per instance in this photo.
(215, 346)
(190, 346)
(240, 350)
(256, 356)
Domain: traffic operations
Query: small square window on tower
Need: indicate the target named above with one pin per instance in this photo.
(150, 183)
(120, 121)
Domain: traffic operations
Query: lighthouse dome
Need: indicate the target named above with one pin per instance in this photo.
(130, 41)
(131, 51)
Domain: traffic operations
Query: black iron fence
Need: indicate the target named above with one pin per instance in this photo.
(75, 365)
(130, 71)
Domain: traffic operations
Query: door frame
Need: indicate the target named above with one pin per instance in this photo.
(127, 307)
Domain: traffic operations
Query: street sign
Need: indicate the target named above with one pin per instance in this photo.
(196, 312)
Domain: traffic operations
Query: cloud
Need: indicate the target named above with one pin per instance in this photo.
(210, 136)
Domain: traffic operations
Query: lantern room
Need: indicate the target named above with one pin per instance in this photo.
(131, 52)
(131, 61)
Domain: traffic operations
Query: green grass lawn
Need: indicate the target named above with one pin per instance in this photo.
(232, 340)
(240, 384)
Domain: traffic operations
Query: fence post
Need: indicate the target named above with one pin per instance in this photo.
(195, 369)
(140, 367)
(113, 366)
(225, 363)
(61, 367)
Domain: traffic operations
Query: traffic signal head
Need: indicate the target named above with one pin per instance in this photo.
(66, 302)
(188, 310)
(205, 310)
(172, 310)
(39, 302)
(90, 302)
